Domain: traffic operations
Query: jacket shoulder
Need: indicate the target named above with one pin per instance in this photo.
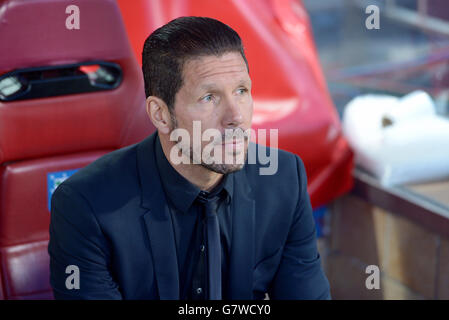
(279, 174)
(267, 161)
(105, 176)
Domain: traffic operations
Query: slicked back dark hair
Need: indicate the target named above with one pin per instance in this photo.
(168, 48)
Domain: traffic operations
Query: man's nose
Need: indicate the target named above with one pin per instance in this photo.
(232, 115)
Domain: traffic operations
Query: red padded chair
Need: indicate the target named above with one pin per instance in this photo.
(2, 296)
(59, 118)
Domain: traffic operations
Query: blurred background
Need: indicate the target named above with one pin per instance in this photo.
(408, 52)
(358, 89)
(401, 228)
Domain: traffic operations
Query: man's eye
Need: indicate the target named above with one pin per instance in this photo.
(207, 98)
(242, 90)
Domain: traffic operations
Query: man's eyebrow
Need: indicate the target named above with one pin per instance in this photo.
(213, 86)
(245, 82)
(208, 86)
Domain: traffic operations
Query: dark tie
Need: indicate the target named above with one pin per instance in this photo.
(213, 248)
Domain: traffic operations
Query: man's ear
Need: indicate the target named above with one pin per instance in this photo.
(159, 114)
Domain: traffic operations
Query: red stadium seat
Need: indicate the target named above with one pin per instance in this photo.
(2, 296)
(52, 127)
(24, 221)
(26, 272)
(24, 193)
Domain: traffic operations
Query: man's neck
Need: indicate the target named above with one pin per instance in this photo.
(196, 174)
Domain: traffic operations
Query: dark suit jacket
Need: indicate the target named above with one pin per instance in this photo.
(111, 220)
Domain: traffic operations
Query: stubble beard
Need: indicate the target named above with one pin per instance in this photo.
(222, 168)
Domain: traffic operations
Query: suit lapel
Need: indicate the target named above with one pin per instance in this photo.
(242, 243)
(158, 222)
(163, 249)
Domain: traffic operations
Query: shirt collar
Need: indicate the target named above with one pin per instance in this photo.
(181, 192)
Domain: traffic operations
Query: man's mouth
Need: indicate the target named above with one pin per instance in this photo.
(235, 145)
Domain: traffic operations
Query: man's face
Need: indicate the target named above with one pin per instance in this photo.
(216, 93)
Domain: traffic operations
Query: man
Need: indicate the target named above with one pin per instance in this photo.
(163, 219)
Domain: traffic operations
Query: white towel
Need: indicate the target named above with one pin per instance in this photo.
(399, 140)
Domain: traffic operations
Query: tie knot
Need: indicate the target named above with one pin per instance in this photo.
(210, 204)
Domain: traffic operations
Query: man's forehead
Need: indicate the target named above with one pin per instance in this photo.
(204, 68)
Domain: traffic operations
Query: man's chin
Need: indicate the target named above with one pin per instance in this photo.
(223, 168)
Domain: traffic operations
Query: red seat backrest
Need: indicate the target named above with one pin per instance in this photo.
(39, 137)
(72, 123)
